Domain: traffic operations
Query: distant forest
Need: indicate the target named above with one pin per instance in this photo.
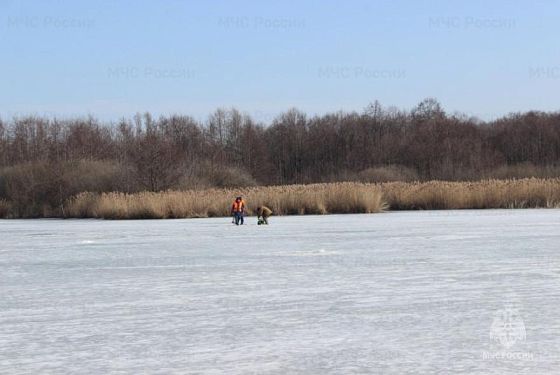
(43, 161)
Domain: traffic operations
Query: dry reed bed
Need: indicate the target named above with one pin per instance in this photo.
(322, 199)
(433, 195)
(283, 200)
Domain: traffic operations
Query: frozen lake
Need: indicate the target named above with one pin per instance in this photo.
(407, 292)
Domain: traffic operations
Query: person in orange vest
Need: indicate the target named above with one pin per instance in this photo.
(237, 210)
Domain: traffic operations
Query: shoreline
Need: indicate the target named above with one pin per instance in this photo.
(313, 199)
(514, 209)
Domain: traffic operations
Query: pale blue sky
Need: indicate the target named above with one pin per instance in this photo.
(113, 58)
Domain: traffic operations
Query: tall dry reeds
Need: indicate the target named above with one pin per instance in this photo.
(283, 200)
(434, 195)
(322, 199)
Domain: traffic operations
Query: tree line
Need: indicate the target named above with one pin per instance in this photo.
(45, 160)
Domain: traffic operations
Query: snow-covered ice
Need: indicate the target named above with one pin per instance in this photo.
(406, 292)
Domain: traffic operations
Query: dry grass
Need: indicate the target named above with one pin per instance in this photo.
(322, 199)
(283, 200)
(434, 195)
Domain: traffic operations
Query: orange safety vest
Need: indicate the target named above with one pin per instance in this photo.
(238, 206)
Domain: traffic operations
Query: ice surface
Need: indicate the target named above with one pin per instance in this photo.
(407, 292)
